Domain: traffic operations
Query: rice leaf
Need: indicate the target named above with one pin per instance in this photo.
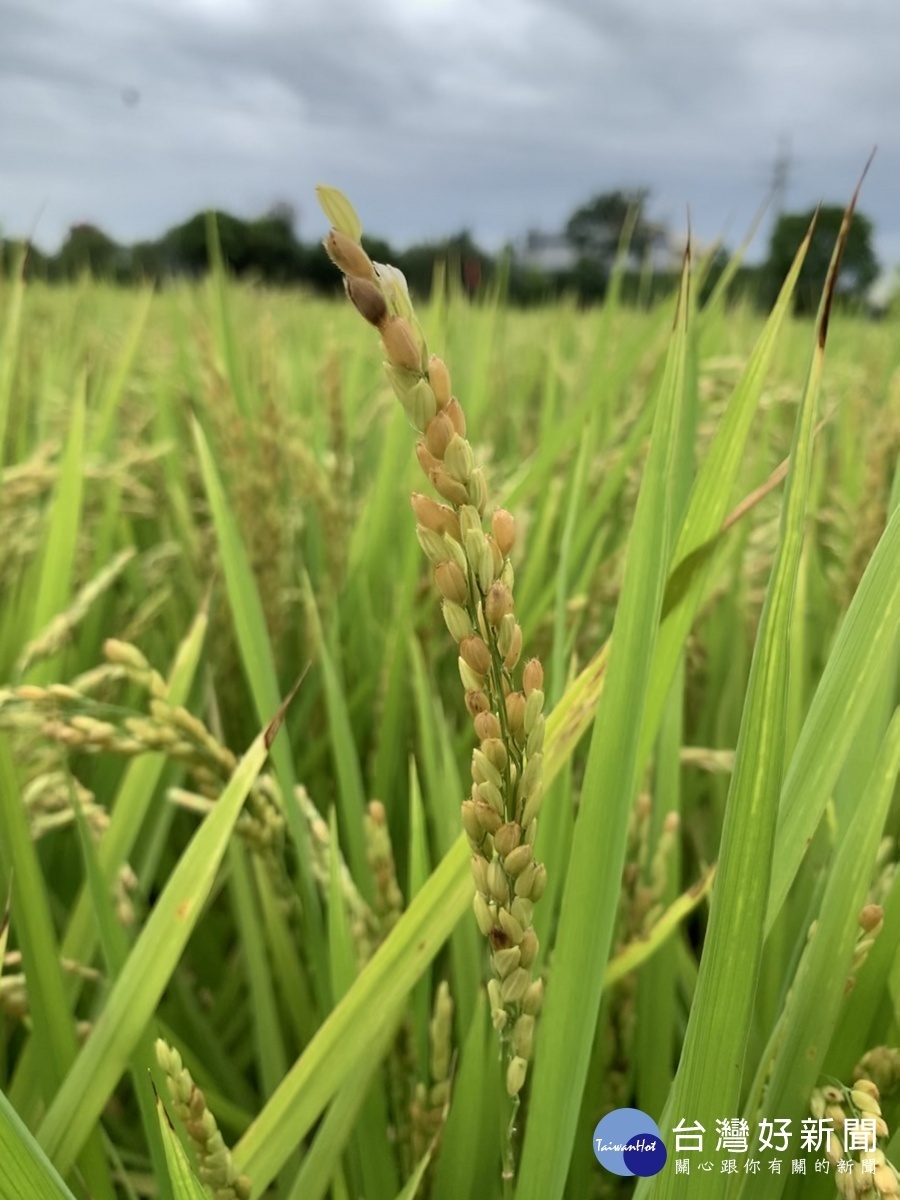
(708, 1081)
(25, 1170)
(371, 1006)
(566, 1028)
(799, 1043)
(132, 1001)
(185, 1184)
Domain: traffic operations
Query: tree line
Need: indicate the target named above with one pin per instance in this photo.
(267, 249)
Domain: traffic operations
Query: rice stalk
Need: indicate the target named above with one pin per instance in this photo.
(474, 576)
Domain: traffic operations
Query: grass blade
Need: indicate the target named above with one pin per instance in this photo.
(256, 653)
(135, 994)
(25, 1170)
(709, 1076)
(786, 1078)
(185, 1184)
(566, 1029)
(856, 665)
(372, 1004)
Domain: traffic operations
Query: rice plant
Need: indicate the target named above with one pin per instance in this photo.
(264, 937)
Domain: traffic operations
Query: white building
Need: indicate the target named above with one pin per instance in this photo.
(884, 292)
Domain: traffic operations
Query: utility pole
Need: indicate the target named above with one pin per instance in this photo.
(781, 173)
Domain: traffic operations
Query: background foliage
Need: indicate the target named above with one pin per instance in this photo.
(215, 476)
(269, 249)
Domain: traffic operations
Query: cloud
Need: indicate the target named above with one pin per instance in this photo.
(441, 114)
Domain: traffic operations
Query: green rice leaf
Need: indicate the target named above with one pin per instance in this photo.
(132, 1001)
(470, 1153)
(25, 1170)
(346, 761)
(256, 655)
(33, 924)
(566, 1027)
(135, 795)
(133, 799)
(709, 1077)
(411, 1187)
(798, 1045)
(323, 1158)
(9, 348)
(185, 1184)
(57, 566)
(698, 538)
(861, 654)
(372, 1005)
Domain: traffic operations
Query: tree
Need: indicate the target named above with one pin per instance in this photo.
(21, 254)
(595, 229)
(264, 248)
(88, 248)
(458, 255)
(149, 260)
(184, 246)
(859, 267)
(272, 251)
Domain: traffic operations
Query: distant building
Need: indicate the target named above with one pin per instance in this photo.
(883, 293)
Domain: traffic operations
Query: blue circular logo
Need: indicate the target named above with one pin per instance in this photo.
(628, 1142)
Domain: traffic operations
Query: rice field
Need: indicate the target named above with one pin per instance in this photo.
(242, 829)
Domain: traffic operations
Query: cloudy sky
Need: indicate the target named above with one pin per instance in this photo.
(435, 115)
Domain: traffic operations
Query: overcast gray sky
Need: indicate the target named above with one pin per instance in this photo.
(434, 115)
